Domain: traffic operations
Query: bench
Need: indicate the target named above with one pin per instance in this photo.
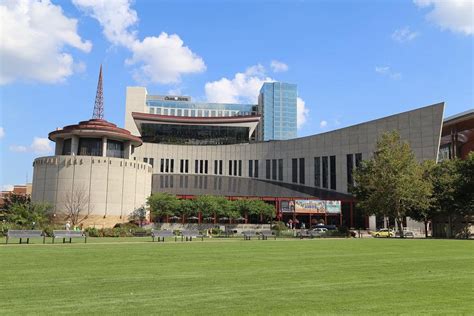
(264, 234)
(162, 234)
(189, 234)
(305, 234)
(248, 234)
(139, 234)
(64, 234)
(22, 234)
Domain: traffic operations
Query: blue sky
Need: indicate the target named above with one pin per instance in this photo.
(352, 60)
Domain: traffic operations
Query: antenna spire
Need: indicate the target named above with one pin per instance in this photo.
(99, 99)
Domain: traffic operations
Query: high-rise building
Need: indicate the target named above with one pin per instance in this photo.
(277, 106)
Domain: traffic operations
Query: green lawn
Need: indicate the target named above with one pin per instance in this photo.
(289, 277)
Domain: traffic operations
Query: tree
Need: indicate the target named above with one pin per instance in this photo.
(76, 206)
(392, 182)
(19, 210)
(139, 215)
(465, 191)
(208, 205)
(188, 207)
(163, 204)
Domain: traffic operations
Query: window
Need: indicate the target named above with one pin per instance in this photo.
(67, 147)
(274, 169)
(186, 166)
(206, 166)
(302, 171)
(358, 159)
(255, 174)
(317, 171)
(220, 166)
(332, 167)
(167, 165)
(235, 167)
(240, 168)
(90, 147)
(151, 161)
(162, 165)
(250, 168)
(201, 166)
(216, 167)
(294, 170)
(267, 169)
(325, 172)
(350, 168)
(196, 166)
(181, 165)
(280, 169)
(145, 160)
(114, 149)
(230, 167)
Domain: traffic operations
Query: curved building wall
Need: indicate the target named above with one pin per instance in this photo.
(115, 186)
(421, 128)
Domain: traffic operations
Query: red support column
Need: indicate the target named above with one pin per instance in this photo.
(325, 218)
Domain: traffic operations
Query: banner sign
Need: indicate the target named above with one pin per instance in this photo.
(333, 207)
(311, 207)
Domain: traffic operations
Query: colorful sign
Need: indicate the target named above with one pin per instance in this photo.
(333, 207)
(311, 207)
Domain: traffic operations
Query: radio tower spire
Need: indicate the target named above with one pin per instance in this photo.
(99, 99)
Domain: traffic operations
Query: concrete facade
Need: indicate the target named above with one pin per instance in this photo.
(115, 187)
(421, 128)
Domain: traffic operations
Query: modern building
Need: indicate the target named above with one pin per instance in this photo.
(171, 144)
(277, 106)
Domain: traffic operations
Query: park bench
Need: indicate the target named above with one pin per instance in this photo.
(22, 234)
(162, 234)
(305, 234)
(248, 234)
(264, 234)
(139, 234)
(64, 234)
(189, 234)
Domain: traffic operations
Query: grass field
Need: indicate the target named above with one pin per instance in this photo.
(235, 277)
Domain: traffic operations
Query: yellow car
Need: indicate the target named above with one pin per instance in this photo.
(384, 232)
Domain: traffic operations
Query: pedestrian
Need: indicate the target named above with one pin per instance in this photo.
(68, 225)
(303, 226)
(290, 224)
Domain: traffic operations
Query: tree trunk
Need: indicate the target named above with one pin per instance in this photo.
(400, 226)
(426, 228)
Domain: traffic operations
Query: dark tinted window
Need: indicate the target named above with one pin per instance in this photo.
(294, 170)
(317, 171)
(267, 169)
(280, 169)
(325, 172)
(302, 171)
(332, 161)
(250, 168)
(274, 169)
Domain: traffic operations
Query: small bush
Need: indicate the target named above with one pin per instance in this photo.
(92, 232)
(279, 226)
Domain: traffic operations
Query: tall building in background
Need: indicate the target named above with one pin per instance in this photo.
(277, 106)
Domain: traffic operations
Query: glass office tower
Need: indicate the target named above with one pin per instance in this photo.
(277, 105)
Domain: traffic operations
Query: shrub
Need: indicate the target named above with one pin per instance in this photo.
(279, 226)
(92, 232)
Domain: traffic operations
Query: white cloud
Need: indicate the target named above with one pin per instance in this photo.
(386, 71)
(2, 132)
(453, 15)
(38, 146)
(323, 124)
(278, 66)
(18, 148)
(301, 112)
(163, 59)
(244, 87)
(41, 145)
(34, 37)
(7, 187)
(404, 35)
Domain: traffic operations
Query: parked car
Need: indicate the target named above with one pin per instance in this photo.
(406, 234)
(384, 232)
(319, 231)
(328, 227)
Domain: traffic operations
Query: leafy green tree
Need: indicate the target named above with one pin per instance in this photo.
(139, 215)
(465, 189)
(188, 208)
(19, 210)
(163, 204)
(391, 183)
(207, 205)
(264, 210)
